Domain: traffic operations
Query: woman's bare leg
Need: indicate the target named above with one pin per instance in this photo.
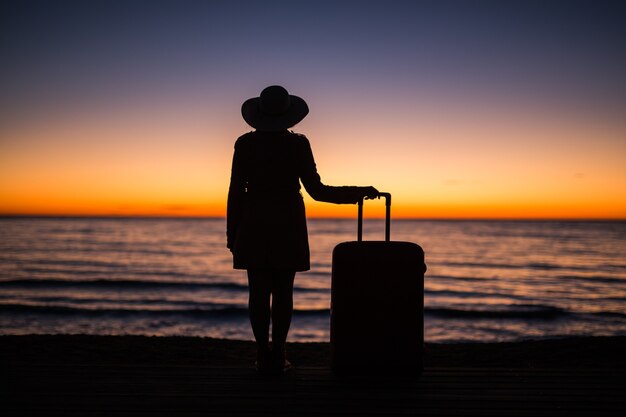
(260, 287)
(282, 307)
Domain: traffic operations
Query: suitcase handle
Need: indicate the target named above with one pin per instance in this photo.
(387, 216)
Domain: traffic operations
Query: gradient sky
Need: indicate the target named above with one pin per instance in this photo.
(464, 109)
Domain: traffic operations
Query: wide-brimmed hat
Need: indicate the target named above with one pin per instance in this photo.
(275, 109)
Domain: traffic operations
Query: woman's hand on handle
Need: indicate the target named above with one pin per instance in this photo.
(369, 192)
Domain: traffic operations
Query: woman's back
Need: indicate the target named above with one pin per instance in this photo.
(271, 162)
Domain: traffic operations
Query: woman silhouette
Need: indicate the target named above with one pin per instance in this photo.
(266, 223)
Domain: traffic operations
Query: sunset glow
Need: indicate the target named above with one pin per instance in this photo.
(153, 135)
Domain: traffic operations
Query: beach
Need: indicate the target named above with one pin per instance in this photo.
(132, 375)
(578, 352)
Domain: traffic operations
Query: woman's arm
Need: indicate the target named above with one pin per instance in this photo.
(321, 192)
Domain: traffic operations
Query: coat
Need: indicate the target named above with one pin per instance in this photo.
(266, 220)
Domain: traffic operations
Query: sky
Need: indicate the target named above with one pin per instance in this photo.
(460, 109)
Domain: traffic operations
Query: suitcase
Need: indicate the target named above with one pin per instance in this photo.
(377, 304)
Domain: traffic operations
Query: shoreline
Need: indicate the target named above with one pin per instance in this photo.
(604, 352)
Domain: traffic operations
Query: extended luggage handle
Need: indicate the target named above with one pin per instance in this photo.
(387, 216)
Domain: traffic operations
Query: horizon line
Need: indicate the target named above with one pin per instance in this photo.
(174, 217)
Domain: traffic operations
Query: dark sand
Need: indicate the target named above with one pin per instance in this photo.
(170, 376)
(580, 352)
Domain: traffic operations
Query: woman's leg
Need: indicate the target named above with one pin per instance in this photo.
(282, 307)
(260, 287)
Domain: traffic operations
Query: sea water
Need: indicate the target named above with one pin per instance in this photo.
(486, 281)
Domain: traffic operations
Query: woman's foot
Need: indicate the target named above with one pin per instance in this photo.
(280, 364)
(263, 361)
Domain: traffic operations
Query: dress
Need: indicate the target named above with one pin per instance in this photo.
(266, 221)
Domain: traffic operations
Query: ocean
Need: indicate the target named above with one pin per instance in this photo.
(487, 281)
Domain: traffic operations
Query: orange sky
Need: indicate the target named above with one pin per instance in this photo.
(495, 162)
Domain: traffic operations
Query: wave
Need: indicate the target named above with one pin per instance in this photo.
(518, 312)
(213, 311)
(118, 283)
(132, 284)
(531, 265)
(77, 262)
(315, 273)
(611, 314)
(472, 294)
(474, 279)
(542, 266)
(597, 278)
(594, 278)
(479, 265)
(521, 312)
(118, 302)
(120, 269)
(51, 245)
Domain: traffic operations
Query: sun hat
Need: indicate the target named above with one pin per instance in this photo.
(275, 109)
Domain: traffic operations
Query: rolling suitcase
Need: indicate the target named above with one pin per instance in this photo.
(377, 303)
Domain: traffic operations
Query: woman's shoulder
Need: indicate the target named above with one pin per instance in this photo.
(257, 135)
(299, 137)
(245, 138)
